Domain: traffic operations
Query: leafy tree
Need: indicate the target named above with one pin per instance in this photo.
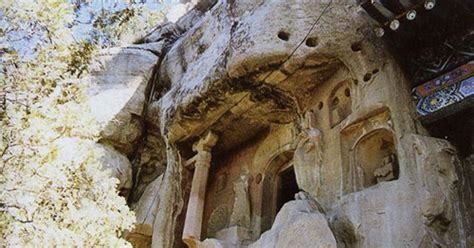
(117, 24)
(47, 195)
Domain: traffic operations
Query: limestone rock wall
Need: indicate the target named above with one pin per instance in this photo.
(298, 224)
(120, 78)
(284, 84)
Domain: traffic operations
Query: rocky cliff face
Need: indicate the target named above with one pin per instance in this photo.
(298, 83)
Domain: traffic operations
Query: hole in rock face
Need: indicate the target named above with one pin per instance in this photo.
(375, 71)
(320, 105)
(356, 82)
(367, 77)
(339, 103)
(356, 47)
(312, 41)
(201, 48)
(283, 35)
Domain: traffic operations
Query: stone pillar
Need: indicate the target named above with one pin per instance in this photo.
(202, 163)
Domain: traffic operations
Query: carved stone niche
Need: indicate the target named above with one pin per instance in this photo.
(339, 103)
(368, 152)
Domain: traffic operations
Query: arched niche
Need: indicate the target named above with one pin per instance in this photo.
(368, 151)
(374, 159)
(278, 184)
(339, 103)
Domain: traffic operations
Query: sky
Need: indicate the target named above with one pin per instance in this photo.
(83, 26)
(91, 8)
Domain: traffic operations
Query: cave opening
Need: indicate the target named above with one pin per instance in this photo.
(287, 187)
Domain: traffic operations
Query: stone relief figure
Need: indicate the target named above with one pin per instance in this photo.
(359, 177)
(386, 171)
(241, 211)
(373, 160)
(218, 220)
(308, 155)
(221, 182)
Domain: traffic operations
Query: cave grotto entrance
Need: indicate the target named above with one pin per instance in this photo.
(279, 187)
(286, 187)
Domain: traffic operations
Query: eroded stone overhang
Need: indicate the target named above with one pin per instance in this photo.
(237, 72)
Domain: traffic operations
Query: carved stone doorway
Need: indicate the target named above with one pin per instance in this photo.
(279, 187)
(285, 187)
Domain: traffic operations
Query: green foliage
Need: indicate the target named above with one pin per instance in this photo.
(81, 56)
(109, 25)
(50, 196)
(112, 26)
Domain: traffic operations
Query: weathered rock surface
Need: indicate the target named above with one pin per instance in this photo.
(145, 212)
(118, 95)
(236, 46)
(284, 84)
(418, 210)
(439, 203)
(298, 224)
(147, 206)
(172, 202)
(231, 72)
(150, 163)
